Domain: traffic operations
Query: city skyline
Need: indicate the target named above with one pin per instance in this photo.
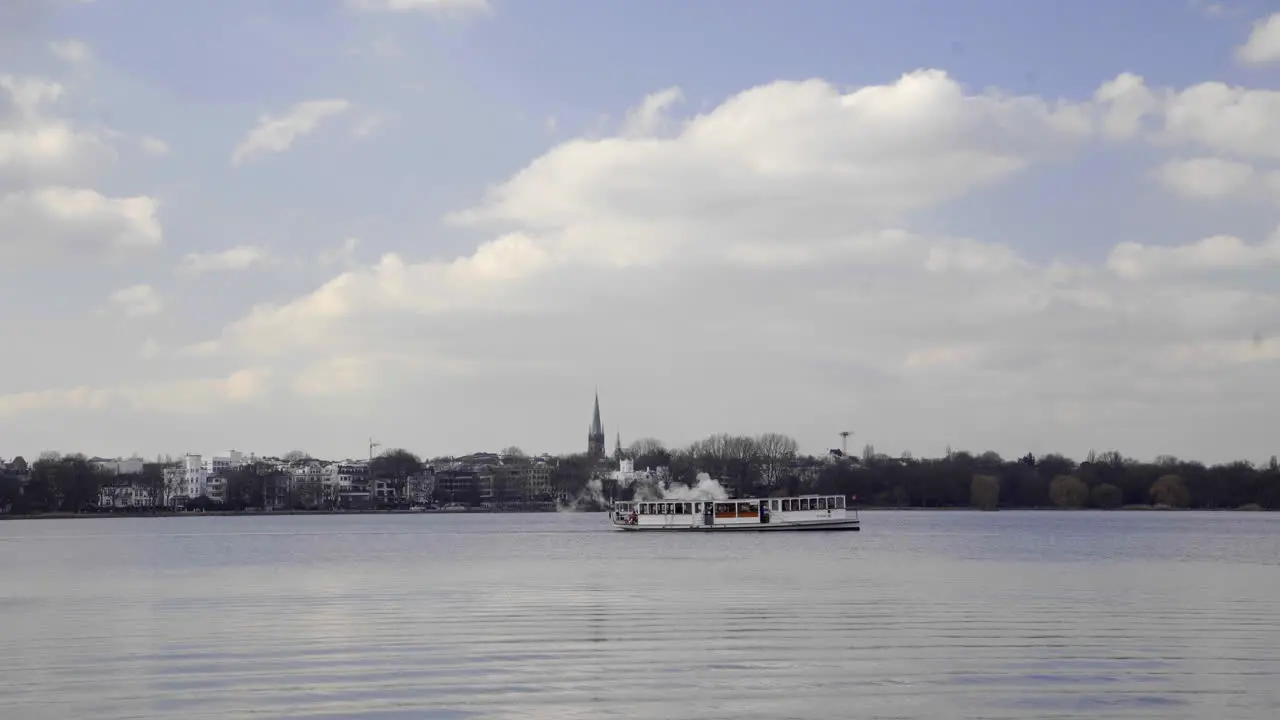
(298, 225)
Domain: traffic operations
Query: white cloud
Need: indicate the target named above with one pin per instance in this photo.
(650, 117)
(137, 301)
(1206, 178)
(778, 259)
(1263, 45)
(30, 96)
(367, 125)
(54, 221)
(345, 253)
(1220, 252)
(175, 397)
(75, 52)
(240, 257)
(1125, 101)
(35, 144)
(43, 157)
(336, 376)
(1227, 119)
(766, 238)
(434, 6)
(836, 161)
(276, 133)
(154, 146)
(484, 280)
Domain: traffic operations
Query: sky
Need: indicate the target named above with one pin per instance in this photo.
(271, 225)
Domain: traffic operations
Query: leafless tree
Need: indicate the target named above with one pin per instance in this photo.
(1170, 490)
(734, 457)
(776, 451)
(646, 446)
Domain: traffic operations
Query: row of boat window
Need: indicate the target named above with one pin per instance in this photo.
(738, 508)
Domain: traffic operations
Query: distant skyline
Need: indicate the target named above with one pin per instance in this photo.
(294, 224)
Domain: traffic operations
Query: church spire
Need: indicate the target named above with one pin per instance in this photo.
(595, 436)
(597, 427)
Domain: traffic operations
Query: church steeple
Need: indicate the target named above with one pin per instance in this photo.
(617, 446)
(595, 436)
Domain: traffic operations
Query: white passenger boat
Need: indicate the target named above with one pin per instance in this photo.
(806, 512)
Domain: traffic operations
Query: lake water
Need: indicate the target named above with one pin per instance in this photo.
(921, 615)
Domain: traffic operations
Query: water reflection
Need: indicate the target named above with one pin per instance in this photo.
(924, 615)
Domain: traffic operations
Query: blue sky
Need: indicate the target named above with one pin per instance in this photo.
(984, 254)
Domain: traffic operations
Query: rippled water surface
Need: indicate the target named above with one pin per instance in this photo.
(922, 615)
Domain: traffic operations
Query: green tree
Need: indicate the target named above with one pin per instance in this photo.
(1068, 491)
(1106, 496)
(984, 492)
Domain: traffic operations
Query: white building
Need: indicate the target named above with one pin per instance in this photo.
(232, 459)
(627, 473)
(125, 495)
(421, 487)
(188, 481)
(346, 478)
(307, 481)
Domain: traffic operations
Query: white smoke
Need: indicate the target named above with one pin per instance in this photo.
(590, 498)
(647, 488)
(705, 489)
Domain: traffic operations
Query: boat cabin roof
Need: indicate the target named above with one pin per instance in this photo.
(786, 501)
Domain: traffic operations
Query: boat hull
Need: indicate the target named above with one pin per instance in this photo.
(821, 525)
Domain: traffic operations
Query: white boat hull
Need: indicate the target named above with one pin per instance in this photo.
(846, 524)
(772, 514)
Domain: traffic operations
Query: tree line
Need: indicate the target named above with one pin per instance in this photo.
(768, 464)
(57, 483)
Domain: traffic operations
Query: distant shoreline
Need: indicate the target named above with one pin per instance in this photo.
(493, 511)
(255, 513)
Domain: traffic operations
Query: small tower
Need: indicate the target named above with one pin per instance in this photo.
(595, 436)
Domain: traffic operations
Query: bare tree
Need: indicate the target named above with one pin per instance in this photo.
(1170, 490)
(646, 446)
(513, 452)
(777, 451)
(294, 456)
(734, 457)
(395, 466)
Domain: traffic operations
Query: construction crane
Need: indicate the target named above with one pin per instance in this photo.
(368, 473)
